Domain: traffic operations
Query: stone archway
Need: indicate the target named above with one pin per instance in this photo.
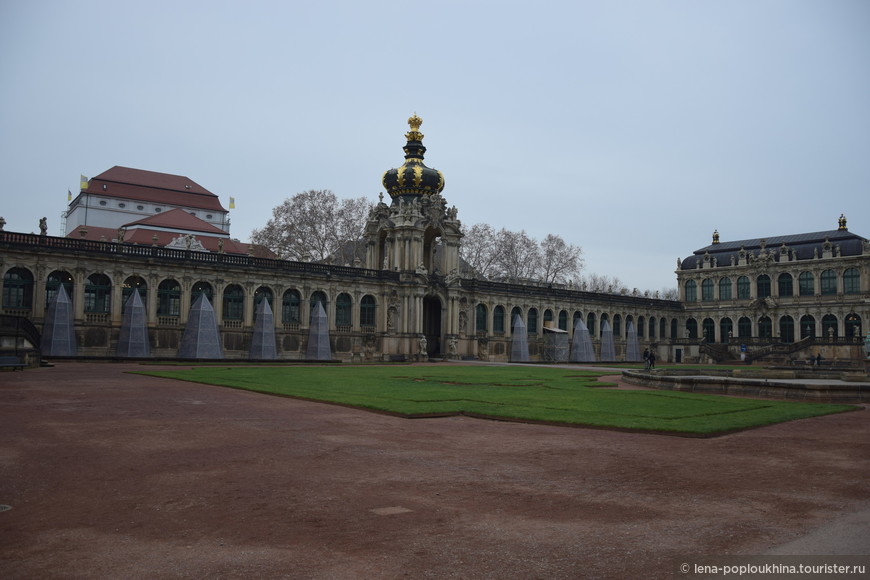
(432, 327)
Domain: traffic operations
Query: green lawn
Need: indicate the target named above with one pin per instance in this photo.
(510, 392)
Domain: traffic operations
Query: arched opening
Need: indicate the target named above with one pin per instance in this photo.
(432, 324)
(431, 240)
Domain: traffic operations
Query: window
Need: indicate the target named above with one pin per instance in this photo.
(808, 326)
(103, 202)
(691, 291)
(367, 311)
(234, 303)
(169, 298)
(674, 328)
(133, 283)
(480, 318)
(829, 326)
(563, 320)
(140, 207)
(765, 327)
(828, 282)
(343, 309)
(98, 293)
(577, 316)
(726, 329)
(744, 327)
(590, 323)
(786, 285)
(725, 289)
(290, 307)
(498, 320)
(54, 280)
(652, 327)
(762, 285)
(851, 281)
(201, 288)
(806, 285)
(18, 288)
(317, 297)
(640, 327)
(516, 312)
(262, 293)
(122, 205)
(617, 325)
(853, 326)
(709, 328)
(786, 329)
(692, 328)
(742, 288)
(707, 290)
(532, 324)
(548, 316)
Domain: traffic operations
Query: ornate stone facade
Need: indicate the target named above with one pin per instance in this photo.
(410, 300)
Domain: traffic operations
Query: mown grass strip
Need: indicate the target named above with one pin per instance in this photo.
(517, 393)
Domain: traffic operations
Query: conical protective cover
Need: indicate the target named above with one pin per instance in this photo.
(133, 339)
(201, 338)
(58, 331)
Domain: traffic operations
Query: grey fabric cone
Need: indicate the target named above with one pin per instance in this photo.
(58, 331)
(519, 341)
(133, 339)
(201, 338)
(318, 335)
(263, 338)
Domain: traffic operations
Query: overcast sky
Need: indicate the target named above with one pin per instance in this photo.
(631, 128)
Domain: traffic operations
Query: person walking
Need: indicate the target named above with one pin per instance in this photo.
(652, 360)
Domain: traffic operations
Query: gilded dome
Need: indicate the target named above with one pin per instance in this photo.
(413, 177)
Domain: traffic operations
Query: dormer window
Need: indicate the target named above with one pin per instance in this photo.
(103, 202)
(122, 205)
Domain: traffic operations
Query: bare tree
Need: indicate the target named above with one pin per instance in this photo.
(670, 294)
(603, 283)
(479, 250)
(517, 255)
(560, 262)
(314, 225)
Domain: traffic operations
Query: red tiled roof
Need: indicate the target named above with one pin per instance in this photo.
(153, 187)
(145, 237)
(177, 219)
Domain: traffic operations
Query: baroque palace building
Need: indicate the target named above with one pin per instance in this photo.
(167, 238)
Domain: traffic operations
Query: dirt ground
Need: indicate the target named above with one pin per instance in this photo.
(112, 475)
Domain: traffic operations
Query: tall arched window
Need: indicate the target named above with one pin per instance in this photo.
(290, 303)
(674, 328)
(786, 329)
(563, 320)
(726, 329)
(169, 298)
(652, 327)
(640, 327)
(480, 318)
(263, 293)
(806, 284)
(786, 285)
(765, 327)
(830, 326)
(709, 328)
(343, 310)
(54, 280)
(577, 316)
(691, 291)
(744, 327)
(367, 312)
(498, 320)
(131, 283)
(725, 289)
(742, 288)
(318, 297)
(516, 311)
(234, 303)
(617, 326)
(762, 285)
(808, 326)
(828, 282)
(18, 289)
(532, 324)
(707, 290)
(98, 294)
(692, 328)
(853, 326)
(590, 323)
(851, 281)
(548, 316)
(201, 288)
